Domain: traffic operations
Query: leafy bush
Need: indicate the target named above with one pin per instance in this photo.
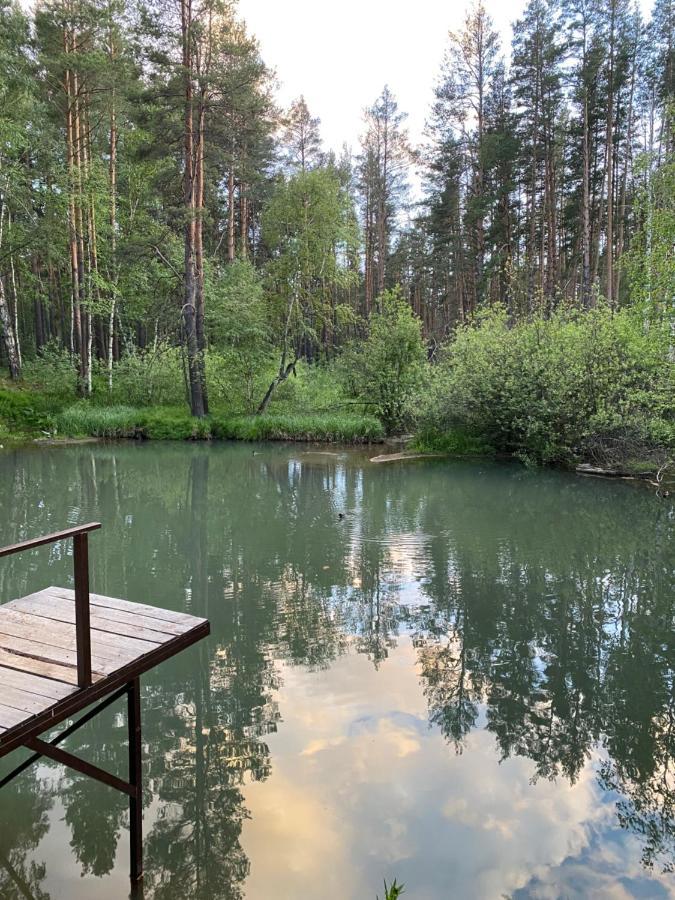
(455, 442)
(24, 411)
(146, 378)
(542, 388)
(53, 373)
(386, 369)
(236, 318)
(315, 388)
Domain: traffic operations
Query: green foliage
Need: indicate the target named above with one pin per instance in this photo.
(394, 891)
(454, 442)
(309, 229)
(145, 378)
(23, 412)
(386, 369)
(313, 389)
(543, 388)
(650, 263)
(85, 420)
(53, 374)
(175, 424)
(275, 427)
(236, 318)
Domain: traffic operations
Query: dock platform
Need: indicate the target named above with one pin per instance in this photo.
(63, 650)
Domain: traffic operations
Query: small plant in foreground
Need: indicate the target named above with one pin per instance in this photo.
(394, 891)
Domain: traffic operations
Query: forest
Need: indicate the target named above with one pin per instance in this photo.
(180, 257)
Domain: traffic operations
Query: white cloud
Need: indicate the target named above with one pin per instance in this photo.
(361, 789)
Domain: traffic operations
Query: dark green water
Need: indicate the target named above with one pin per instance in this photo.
(456, 674)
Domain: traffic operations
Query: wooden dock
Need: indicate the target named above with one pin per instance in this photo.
(63, 650)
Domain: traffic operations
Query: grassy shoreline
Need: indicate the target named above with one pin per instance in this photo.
(26, 416)
(29, 417)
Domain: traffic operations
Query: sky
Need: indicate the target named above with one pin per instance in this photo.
(340, 55)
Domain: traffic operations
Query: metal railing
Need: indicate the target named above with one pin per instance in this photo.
(80, 536)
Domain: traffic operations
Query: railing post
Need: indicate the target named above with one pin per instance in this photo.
(82, 627)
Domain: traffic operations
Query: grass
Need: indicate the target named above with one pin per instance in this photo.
(82, 420)
(394, 891)
(279, 427)
(166, 423)
(27, 414)
(455, 442)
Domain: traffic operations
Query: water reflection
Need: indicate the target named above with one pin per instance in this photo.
(352, 606)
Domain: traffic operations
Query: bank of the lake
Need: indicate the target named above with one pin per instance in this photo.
(27, 415)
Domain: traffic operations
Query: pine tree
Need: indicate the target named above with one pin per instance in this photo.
(382, 168)
(301, 139)
(536, 75)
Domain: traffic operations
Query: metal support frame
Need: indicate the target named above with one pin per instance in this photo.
(133, 787)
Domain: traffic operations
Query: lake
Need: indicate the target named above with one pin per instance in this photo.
(456, 674)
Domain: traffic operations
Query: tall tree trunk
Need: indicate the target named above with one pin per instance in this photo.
(38, 309)
(112, 186)
(243, 220)
(586, 294)
(75, 340)
(190, 275)
(199, 246)
(15, 293)
(230, 215)
(8, 334)
(609, 144)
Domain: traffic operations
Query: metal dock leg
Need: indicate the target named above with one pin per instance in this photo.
(135, 780)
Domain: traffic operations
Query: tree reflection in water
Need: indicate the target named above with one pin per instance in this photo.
(540, 606)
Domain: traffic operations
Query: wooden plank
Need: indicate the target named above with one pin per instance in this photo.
(127, 616)
(144, 609)
(62, 634)
(46, 687)
(64, 611)
(79, 699)
(49, 653)
(9, 717)
(30, 704)
(44, 668)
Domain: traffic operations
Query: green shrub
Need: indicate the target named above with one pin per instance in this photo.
(24, 411)
(145, 378)
(455, 442)
(316, 388)
(542, 388)
(385, 370)
(236, 318)
(52, 374)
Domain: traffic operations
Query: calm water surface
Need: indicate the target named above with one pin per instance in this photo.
(456, 674)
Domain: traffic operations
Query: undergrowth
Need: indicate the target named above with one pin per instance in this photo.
(166, 423)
